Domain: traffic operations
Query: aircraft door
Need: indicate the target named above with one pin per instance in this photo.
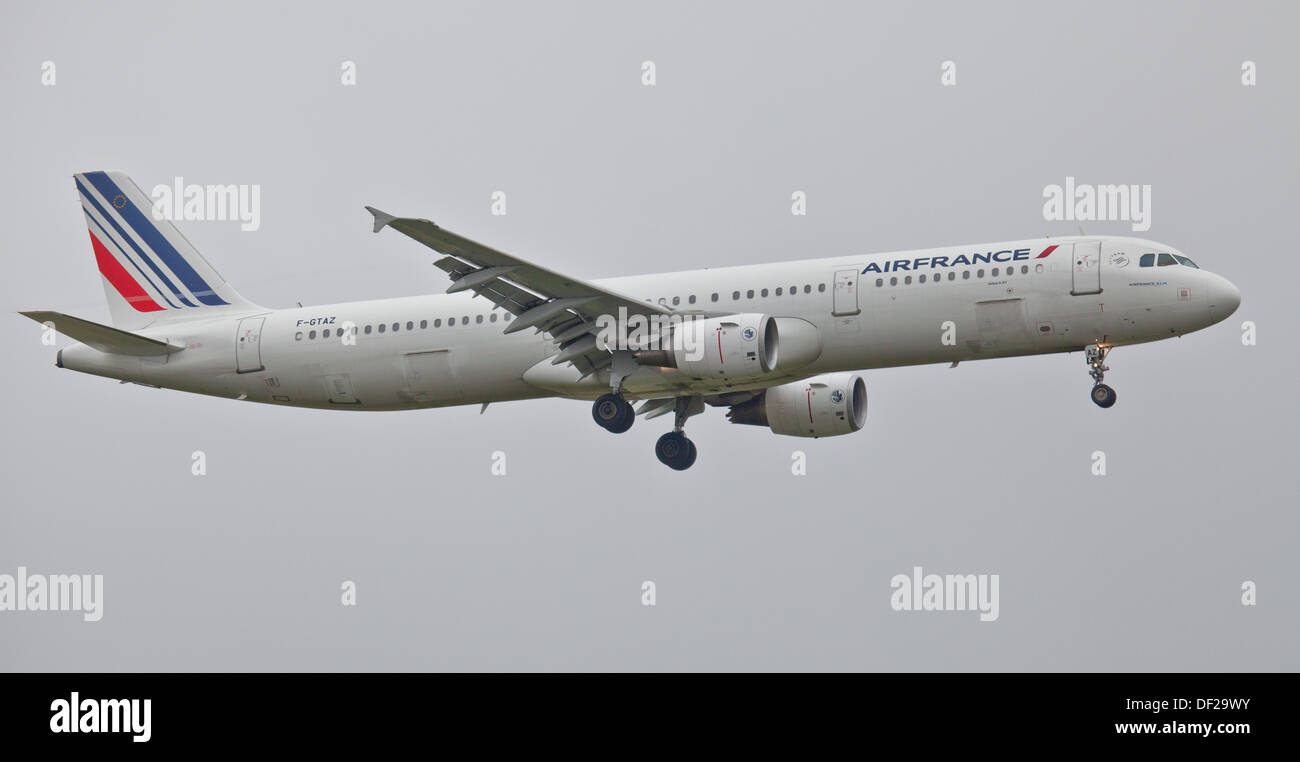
(845, 293)
(248, 345)
(1087, 268)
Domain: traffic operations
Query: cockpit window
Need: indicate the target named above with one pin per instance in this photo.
(1149, 260)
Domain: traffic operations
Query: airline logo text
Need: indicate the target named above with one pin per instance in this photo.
(988, 257)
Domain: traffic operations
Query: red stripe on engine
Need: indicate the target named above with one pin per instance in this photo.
(111, 269)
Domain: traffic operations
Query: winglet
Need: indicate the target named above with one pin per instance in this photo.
(381, 218)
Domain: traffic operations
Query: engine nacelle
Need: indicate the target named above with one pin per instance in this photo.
(734, 346)
(822, 406)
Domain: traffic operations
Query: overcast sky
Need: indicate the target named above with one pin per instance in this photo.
(983, 469)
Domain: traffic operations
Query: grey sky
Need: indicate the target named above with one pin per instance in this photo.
(981, 469)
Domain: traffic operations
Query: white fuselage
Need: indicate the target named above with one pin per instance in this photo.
(451, 350)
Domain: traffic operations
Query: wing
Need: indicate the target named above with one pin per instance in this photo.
(565, 308)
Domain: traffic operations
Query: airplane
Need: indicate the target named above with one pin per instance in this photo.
(781, 345)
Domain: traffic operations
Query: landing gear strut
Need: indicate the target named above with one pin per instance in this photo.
(613, 412)
(674, 449)
(1095, 355)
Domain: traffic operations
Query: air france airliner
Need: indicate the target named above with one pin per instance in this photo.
(780, 345)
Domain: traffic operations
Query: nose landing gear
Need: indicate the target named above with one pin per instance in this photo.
(1095, 356)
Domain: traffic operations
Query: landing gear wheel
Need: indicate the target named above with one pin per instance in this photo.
(1103, 395)
(675, 451)
(691, 460)
(1095, 356)
(613, 413)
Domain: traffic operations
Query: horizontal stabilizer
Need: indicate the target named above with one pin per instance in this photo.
(101, 337)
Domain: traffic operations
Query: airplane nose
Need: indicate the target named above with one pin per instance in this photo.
(1224, 298)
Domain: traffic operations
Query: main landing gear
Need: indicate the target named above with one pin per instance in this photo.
(613, 412)
(674, 449)
(1095, 355)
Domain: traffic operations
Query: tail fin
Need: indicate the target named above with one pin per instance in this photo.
(151, 273)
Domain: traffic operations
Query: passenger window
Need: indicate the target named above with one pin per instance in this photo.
(424, 324)
(451, 321)
(1024, 269)
(297, 336)
(714, 298)
(494, 317)
(980, 273)
(397, 326)
(677, 300)
(807, 289)
(410, 325)
(382, 327)
(692, 299)
(749, 294)
(367, 330)
(952, 275)
(478, 318)
(464, 319)
(437, 323)
(763, 293)
(1146, 260)
(907, 281)
(920, 278)
(893, 281)
(735, 295)
(880, 282)
(821, 288)
(995, 272)
(311, 335)
(1166, 260)
(965, 274)
(794, 290)
(1038, 268)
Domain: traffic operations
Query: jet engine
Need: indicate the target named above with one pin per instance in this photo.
(822, 406)
(734, 346)
(743, 346)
